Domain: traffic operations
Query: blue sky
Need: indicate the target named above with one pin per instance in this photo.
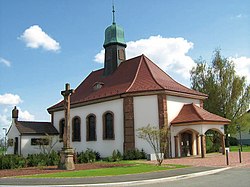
(46, 43)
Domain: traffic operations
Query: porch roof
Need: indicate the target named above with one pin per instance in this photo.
(192, 114)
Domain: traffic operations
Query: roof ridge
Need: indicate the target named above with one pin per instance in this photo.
(34, 121)
(194, 106)
(209, 112)
(171, 77)
(151, 71)
(137, 71)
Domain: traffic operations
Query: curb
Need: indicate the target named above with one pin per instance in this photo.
(141, 182)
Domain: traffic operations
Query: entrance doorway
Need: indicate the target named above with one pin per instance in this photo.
(16, 146)
(186, 144)
(214, 141)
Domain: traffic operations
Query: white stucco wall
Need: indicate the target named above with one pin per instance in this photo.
(12, 133)
(104, 147)
(27, 148)
(145, 112)
(175, 104)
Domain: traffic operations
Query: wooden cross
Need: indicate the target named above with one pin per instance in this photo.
(66, 135)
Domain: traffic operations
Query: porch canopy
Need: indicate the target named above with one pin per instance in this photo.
(189, 127)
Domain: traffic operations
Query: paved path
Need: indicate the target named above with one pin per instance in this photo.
(214, 159)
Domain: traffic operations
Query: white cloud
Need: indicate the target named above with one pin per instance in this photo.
(35, 37)
(25, 115)
(5, 62)
(242, 66)
(10, 99)
(4, 121)
(170, 54)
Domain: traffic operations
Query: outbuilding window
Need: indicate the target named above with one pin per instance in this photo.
(76, 129)
(91, 128)
(108, 126)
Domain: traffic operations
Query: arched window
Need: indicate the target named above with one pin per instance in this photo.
(76, 129)
(91, 128)
(108, 126)
(61, 129)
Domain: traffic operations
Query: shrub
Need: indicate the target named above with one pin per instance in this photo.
(134, 155)
(41, 159)
(116, 156)
(88, 156)
(233, 141)
(97, 156)
(54, 158)
(12, 162)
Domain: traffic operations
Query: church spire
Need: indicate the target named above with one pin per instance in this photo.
(114, 45)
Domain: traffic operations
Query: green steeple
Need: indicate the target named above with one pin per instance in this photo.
(114, 34)
(114, 45)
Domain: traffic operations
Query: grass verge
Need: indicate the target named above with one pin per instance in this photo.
(236, 148)
(132, 169)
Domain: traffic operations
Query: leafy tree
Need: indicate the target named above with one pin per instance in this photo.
(47, 143)
(244, 122)
(229, 94)
(157, 139)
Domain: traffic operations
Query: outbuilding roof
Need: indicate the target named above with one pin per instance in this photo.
(192, 114)
(34, 127)
(136, 75)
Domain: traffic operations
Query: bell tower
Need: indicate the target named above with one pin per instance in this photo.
(114, 46)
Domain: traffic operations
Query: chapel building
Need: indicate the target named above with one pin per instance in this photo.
(110, 105)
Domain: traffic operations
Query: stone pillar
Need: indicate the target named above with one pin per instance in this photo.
(193, 144)
(180, 145)
(163, 120)
(176, 144)
(223, 144)
(203, 145)
(129, 132)
(162, 110)
(67, 153)
(198, 145)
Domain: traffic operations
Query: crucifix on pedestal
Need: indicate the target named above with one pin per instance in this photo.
(67, 153)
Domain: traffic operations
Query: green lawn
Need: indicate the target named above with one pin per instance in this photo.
(132, 169)
(236, 148)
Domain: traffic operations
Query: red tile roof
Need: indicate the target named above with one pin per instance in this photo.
(35, 127)
(135, 75)
(191, 113)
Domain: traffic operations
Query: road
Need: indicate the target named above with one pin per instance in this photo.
(235, 177)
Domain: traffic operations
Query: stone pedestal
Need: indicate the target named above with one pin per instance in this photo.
(67, 159)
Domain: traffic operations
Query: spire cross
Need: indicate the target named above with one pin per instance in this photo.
(113, 6)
